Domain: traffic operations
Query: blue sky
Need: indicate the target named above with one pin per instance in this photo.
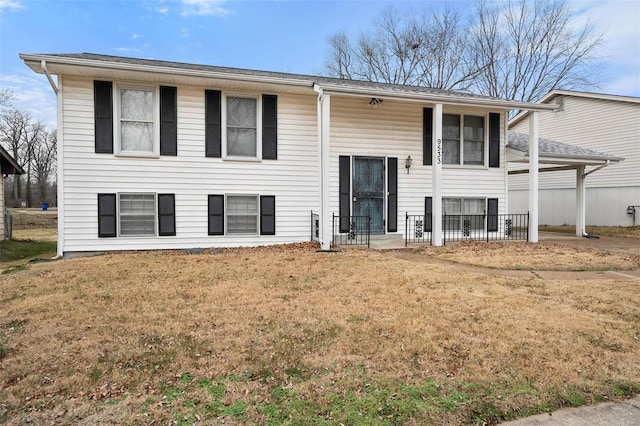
(274, 35)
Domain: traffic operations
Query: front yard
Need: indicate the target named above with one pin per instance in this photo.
(286, 335)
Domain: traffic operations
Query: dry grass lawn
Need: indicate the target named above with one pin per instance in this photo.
(609, 231)
(544, 256)
(286, 335)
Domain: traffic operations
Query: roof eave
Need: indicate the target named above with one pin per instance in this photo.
(569, 157)
(332, 89)
(34, 62)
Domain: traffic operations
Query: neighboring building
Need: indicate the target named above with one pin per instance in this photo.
(604, 123)
(8, 166)
(164, 155)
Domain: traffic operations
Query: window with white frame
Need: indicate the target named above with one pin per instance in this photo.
(466, 147)
(242, 214)
(137, 109)
(137, 214)
(242, 127)
(457, 210)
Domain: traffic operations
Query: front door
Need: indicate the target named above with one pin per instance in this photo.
(368, 190)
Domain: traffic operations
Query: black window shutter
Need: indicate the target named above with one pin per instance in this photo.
(494, 140)
(492, 215)
(103, 116)
(392, 196)
(168, 120)
(427, 136)
(216, 214)
(269, 127)
(344, 205)
(267, 215)
(107, 215)
(213, 123)
(166, 215)
(428, 213)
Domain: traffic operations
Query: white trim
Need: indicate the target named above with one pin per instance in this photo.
(60, 166)
(117, 135)
(436, 177)
(223, 119)
(533, 177)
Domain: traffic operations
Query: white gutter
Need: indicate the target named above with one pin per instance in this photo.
(118, 66)
(431, 98)
(43, 64)
(303, 81)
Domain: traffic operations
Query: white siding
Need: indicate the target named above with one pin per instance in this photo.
(602, 125)
(608, 126)
(189, 175)
(394, 129)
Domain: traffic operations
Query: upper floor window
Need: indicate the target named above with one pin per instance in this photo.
(242, 118)
(137, 112)
(466, 147)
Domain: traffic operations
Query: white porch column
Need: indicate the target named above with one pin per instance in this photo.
(436, 179)
(324, 128)
(580, 202)
(533, 176)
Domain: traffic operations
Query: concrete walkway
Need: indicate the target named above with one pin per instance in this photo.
(626, 413)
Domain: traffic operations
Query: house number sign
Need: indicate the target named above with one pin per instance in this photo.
(439, 151)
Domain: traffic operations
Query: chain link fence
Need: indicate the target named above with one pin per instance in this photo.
(32, 224)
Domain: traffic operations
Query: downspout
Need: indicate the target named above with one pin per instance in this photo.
(596, 169)
(581, 199)
(43, 64)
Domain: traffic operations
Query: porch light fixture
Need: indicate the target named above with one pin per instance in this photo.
(374, 102)
(407, 163)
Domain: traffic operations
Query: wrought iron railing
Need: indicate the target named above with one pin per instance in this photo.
(417, 229)
(351, 230)
(461, 227)
(315, 227)
(496, 227)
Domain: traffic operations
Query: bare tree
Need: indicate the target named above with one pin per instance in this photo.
(34, 136)
(530, 47)
(517, 50)
(6, 96)
(430, 50)
(44, 162)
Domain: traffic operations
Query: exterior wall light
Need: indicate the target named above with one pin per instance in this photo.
(374, 102)
(407, 163)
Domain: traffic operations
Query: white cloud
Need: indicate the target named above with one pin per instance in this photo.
(10, 4)
(618, 21)
(163, 10)
(184, 33)
(34, 95)
(204, 8)
(135, 36)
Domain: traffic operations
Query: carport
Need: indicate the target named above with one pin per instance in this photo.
(556, 156)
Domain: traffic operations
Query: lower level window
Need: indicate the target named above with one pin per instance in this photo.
(461, 210)
(137, 214)
(242, 214)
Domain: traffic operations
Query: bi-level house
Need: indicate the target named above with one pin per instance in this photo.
(163, 155)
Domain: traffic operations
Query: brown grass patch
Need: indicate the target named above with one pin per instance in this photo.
(543, 256)
(608, 231)
(288, 335)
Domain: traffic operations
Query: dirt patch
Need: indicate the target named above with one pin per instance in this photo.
(288, 335)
